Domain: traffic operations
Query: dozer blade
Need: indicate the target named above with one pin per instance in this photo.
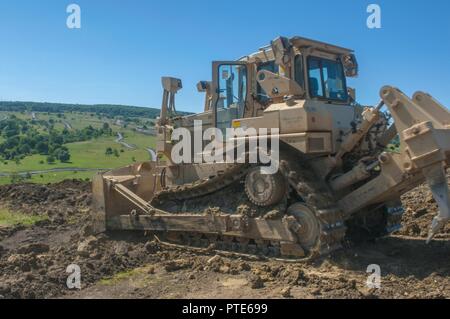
(122, 190)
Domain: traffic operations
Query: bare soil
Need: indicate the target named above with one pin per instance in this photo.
(33, 260)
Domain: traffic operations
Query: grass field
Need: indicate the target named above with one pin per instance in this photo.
(53, 177)
(12, 219)
(88, 154)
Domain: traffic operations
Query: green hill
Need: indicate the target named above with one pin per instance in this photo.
(103, 109)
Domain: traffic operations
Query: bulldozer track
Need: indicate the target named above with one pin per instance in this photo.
(203, 187)
(301, 178)
(238, 253)
(319, 198)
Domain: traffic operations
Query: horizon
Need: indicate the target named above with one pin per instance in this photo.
(82, 104)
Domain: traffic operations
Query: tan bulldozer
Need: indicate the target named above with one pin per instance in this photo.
(337, 174)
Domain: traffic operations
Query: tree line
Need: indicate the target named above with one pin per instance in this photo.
(104, 109)
(23, 139)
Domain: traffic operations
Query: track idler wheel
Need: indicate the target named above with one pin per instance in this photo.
(308, 233)
(263, 189)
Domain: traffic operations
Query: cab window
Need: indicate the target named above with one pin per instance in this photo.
(327, 79)
(267, 66)
(232, 93)
(232, 85)
(298, 70)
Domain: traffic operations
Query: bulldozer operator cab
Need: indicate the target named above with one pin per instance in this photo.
(297, 67)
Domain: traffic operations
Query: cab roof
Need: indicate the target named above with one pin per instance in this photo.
(300, 42)
(265, 53)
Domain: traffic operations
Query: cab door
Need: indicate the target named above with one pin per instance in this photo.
(230, 87)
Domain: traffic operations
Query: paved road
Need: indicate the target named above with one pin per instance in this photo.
(67, 125)
(151, 132)
(152, 154)
(122, 142)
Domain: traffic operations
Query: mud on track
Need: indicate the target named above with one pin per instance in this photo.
(33, 260)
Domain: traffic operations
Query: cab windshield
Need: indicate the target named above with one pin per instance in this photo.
(327, 79)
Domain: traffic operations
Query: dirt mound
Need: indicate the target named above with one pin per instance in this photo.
(32, 194)
(58, 202)
(39, 270)
(420, 209)
(57, 205)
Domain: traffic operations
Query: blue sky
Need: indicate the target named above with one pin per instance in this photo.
(124, 47)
